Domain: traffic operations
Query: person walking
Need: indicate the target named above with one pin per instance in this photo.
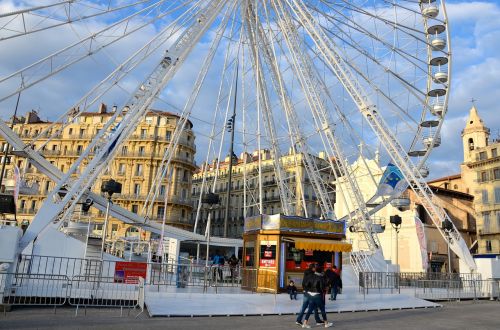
(334, 282)
(305, 300)
(217, 264)
(315, 289)
(233, 264)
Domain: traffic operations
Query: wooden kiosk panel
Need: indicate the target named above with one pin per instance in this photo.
(277, 248)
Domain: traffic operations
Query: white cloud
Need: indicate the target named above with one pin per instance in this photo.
(475, 31)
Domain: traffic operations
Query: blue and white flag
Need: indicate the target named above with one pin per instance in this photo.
(392, 182)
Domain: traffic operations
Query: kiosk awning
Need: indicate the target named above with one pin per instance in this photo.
(322, 245)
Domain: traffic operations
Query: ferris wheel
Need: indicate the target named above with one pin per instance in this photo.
(353, 79)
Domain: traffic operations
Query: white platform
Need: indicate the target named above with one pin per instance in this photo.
(233, 301)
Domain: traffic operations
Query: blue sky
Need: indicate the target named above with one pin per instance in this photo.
(475, 28)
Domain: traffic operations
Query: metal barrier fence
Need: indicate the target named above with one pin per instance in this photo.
(374, 280)
(102, 292)
(432, 286)
(456, 290)
(391, 280)
(55, 281)
(33, 289)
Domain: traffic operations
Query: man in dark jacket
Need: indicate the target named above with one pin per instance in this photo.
(334, 282)
(316, 285)
(305, 302)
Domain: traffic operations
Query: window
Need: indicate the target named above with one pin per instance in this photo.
(114, 229)
(488, 246)
(82, 132)
(496, 173)
(168, 136)
(497, 195)
(70, 132)
(498, 219)
(484, 196)
(135, 208)
(486, 221)
(184, 194)
(138, 170)
(160, 212)
(124, 150)
(79, 149)
(494, 152)
(484, 177)
(183, 213)
(137, 189)
(121, 169)
(482, 155)
(162, 190)
(141, 150)
(143, 133)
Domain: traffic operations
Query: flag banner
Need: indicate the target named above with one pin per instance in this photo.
(392, 182)
(419, 226)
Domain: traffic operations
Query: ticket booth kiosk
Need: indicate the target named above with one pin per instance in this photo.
(278, 248)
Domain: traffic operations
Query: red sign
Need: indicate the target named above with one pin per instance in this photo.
(268, 254)
(308, 252)
(129, 272)
(267, 262)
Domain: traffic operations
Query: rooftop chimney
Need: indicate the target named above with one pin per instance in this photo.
(103, 108)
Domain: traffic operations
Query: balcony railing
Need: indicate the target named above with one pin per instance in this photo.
(27, 211)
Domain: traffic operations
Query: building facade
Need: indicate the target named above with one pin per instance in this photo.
(245, 193)
(135, 165)
(481, 175)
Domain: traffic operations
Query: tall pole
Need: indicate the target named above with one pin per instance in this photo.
(231, 126)
(6, 151)
(104, 229)
(449, 259)
(209, 224)
(397, 249)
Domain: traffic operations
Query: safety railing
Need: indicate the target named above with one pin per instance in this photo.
(102, 292)
(377, 280)
(457, 289)
(33, 289)
(393, 280)
(55, 281)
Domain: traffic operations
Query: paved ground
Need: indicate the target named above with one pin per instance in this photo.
(454, 315)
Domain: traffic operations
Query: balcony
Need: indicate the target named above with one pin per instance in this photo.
(51, 153)
(27, 211)
(489, 231)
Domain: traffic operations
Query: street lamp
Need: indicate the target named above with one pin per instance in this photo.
(108, 187)
(211, 199)
(395, 221)
(447, 226)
